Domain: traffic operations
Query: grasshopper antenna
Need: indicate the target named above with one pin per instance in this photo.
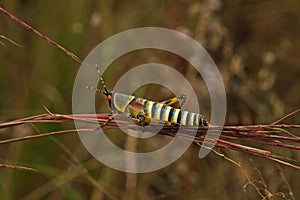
(104, 91)
(102, 81)
(96, 89)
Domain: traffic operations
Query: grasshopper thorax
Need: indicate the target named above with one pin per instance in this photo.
(120, 101)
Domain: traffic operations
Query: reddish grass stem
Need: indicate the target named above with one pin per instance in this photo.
(272, 135)
(28, 27)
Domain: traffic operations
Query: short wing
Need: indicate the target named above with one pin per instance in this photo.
(136, 105)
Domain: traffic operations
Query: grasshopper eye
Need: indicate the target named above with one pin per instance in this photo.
(108, 97)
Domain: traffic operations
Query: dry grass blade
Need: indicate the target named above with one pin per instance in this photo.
(29, 137)
(17, 167)
(9, 40)
(286, 116)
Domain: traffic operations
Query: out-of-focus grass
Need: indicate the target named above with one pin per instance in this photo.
(254, 45)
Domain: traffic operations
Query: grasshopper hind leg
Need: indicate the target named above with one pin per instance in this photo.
(178, 99)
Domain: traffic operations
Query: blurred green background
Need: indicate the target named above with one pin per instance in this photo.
(255, 44)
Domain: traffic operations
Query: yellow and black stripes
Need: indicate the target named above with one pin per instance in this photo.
(157, 111)
(144, 110)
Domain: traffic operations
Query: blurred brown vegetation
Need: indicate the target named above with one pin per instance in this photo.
(254, 44)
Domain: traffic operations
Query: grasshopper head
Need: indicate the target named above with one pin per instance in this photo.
(109, 96)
